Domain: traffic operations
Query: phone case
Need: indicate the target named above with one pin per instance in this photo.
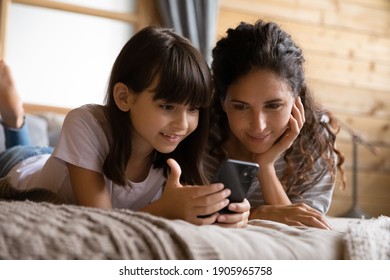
(237, 176)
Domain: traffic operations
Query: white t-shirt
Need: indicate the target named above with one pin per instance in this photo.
(84, 143)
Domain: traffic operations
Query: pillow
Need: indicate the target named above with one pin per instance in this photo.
(37, 129)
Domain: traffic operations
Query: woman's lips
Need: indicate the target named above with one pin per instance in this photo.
(258, 138)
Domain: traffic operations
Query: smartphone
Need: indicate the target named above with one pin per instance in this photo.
(237, 176)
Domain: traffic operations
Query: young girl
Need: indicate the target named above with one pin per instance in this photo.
(264, 113)
(116, 155)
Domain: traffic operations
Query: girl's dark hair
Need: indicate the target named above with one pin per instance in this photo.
(183, 77)
(265, 46)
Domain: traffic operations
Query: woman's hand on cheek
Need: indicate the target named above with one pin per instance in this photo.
(295, 124)
(238, 219)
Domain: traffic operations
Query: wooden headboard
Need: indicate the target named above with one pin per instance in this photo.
(35, 108)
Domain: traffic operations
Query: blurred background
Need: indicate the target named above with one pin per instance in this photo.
(61, 54)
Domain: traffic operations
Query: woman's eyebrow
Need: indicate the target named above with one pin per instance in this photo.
(238, 101)
(274, 100)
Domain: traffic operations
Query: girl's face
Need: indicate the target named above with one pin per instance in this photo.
(258, 108)
(160, 125)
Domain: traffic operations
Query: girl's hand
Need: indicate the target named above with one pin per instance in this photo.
(238, 219)
(189, 202)
(296, 122)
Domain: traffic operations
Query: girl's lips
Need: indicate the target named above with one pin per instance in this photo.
(173, 138)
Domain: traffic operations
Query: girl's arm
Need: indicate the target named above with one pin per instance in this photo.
(88, 187)
(195, 204)
(198, 204)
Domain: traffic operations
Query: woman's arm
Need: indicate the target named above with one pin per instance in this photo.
(298, 214)
(273, 191)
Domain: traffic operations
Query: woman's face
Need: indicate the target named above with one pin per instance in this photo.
(258, 107)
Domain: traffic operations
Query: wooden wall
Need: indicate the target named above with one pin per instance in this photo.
(347, 48)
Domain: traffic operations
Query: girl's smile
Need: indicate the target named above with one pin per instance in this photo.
(173, 138)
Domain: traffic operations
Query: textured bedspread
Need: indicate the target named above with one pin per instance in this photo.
(32, 230)
(44, 230)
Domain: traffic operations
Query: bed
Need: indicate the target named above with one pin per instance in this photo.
(36, 225)
(43, 228)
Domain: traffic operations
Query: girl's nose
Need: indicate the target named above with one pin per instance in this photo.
(181, 121)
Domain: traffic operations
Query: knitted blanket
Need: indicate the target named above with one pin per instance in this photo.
(31, 230)
(46, 229)
(368, 239)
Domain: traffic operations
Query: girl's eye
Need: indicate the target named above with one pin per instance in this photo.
(167, 107)
(240, 107)
(193, 109)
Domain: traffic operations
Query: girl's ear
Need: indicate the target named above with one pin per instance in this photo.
(122, 96)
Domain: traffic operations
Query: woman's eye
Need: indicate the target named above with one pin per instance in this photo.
(167, 107)
(274, 106)
(240, 107)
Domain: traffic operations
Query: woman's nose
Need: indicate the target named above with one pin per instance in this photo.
(259, 121)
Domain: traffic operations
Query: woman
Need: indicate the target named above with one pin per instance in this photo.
(263, 112)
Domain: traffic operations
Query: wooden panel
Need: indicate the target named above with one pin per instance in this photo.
(341, 206)
(335, 14)
(355, 17)
(376, 131)
(354, 46)
(130, 18)
(380, 4)
(348, 72)
(283, 10)
(315, 38)
(373, 194)
(371, 184)
(366, 159)
(4, 6)
(352, 100)
(35, 109)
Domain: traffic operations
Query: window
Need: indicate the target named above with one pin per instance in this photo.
(61, 52)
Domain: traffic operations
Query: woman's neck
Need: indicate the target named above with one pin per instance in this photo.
(236, 150)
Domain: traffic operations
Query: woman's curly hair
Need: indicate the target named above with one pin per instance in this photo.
(265, 46)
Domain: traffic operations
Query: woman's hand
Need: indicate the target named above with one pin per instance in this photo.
(238, 219)
(273, 191)
(296, 122)
(298, 214)
(189, 203)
